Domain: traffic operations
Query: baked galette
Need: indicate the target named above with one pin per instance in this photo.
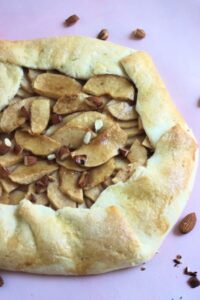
(96, 164)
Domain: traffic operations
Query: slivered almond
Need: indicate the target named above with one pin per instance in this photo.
(56, 85)
(68, 185)
(188, 223)
(29, 174)
(38, 145)
(40, 114)
(116, 87)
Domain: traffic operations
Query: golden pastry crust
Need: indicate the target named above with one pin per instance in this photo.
(128, 222)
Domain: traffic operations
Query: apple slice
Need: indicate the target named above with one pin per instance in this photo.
(114, 86)
(28, 174)
(69, 186)
(70, 164)
(138, 153)
(56, 85)
(103, 147)
(122, 110)
(40, 113)
(38, 145)
(9, 159)
(93, 193)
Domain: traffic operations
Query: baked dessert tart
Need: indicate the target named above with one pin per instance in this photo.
(96, 163)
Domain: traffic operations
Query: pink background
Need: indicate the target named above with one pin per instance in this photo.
(173, 39)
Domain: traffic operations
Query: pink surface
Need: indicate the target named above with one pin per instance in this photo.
(173, 39)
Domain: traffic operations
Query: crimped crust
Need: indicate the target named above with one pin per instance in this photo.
(128, 222)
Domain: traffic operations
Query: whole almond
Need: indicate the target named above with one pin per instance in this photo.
(188, 223)
(103, 35)
(71, 20)
(139, 34)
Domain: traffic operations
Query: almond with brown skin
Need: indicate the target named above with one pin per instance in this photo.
(55, 119)
(139, 34)
(17, 149)
(30, 160)
(71, 20)
(4, 172)
(4, 149)
(63, 153)
(24, 113)
(188, 223)
(103, 35)
(83, 180)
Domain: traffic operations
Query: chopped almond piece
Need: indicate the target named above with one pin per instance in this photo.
(70, 164)
(138, 153)
(4, 172)
(83, 180)
(55, 119)
(68, 185)
(4, 149)
(24, 113)
(57, 198)
(40, 114)
(110, 85)
(30, 160)
(70, 104)
(95, 102)
(93, 193)
(124, 152)
(63, 153)
(70, 136)
(122, 110)
(99, 174)
(29, 174)
(42, 184)
(38, 145)
(56, 85)
(103, 147)
(8, 185)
